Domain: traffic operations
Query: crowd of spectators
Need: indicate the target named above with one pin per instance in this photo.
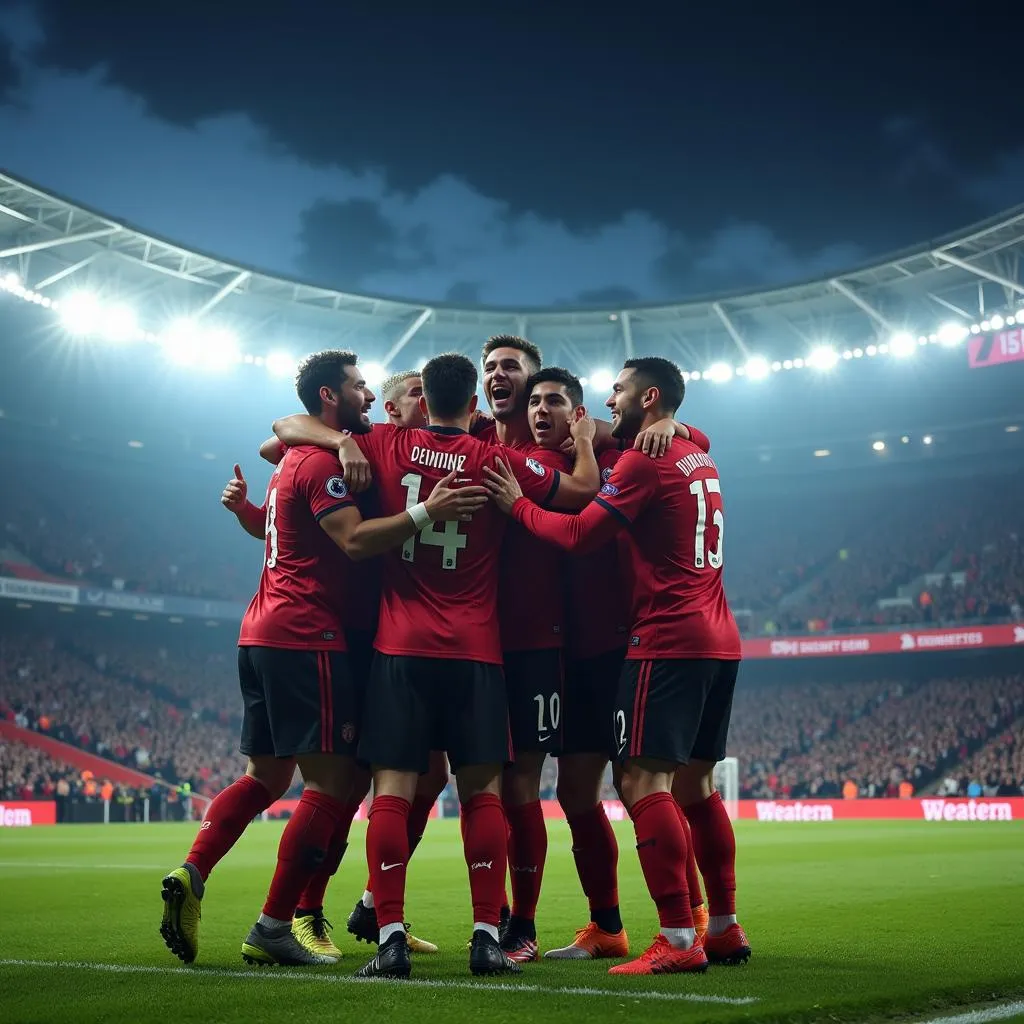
(183, 734)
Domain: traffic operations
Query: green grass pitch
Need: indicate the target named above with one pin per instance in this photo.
(848, 922)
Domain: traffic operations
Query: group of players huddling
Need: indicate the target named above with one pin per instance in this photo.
(422, 606)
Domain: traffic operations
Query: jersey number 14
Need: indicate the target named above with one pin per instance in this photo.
(445, 536)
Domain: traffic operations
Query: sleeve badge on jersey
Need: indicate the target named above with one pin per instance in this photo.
(610, 489)
(605, 475)
(336, 487)
(535, 466)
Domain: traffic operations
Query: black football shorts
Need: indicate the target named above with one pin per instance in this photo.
(415, 705)
(674, 709)
(298, 702)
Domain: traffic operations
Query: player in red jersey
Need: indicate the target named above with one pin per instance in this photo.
(437, 679)
(675, 695)
(401, 393)
(301, 703)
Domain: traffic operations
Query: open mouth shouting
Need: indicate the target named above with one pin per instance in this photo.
(501, 396)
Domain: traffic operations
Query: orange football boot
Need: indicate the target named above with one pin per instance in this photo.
(730, 948)
(663, 958)
(592, 943)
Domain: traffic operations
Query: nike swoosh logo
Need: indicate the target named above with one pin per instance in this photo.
(543, 739)
(388, 867)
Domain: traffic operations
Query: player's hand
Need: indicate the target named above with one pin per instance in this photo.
(235, 493)
(354, 467)
(583, 428)
(503, 485)
(476, 419)
(447, 502)
(654, 441)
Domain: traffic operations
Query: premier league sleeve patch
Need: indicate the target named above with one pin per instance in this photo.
(535, 466)
(605, 475)
(609, 489)
(336, 487)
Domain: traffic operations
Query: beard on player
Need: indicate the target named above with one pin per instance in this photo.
(626, 406)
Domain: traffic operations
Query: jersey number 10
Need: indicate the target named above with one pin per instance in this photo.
(445, 536)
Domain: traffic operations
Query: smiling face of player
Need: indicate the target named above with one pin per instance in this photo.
(506, 371)
(348, 408)
(550, 412)
(627, 404)
(403, 404)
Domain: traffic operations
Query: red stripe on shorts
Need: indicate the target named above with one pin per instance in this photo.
(640, 708)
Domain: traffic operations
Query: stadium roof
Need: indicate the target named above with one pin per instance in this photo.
(56, 247)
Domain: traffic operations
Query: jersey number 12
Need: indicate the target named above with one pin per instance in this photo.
(445, 536)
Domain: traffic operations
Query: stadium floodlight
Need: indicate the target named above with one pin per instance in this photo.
(719, 373)
(602, 380)
(824, 357)
(374, 374)
(821, 453)
(871, 350)
(986, 325)
(998, 323)
(952, 334)
(11, 282)
(220, 348)
(119, 323)
(81, 313)
(757, 368)
(182, 343)
(902, 345)
(879, 446)
(281, 364)
(927, 439)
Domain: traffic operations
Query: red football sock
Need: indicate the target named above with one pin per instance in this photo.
(692, 874)
(597, 857)
(419, 815)
(387, 852)
(225, 821)
(661, 844)
(312, 897)
(527, 852)
(486, 849)
(303, 849)
(714, 845)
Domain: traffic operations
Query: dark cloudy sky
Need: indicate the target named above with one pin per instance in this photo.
(536, 154)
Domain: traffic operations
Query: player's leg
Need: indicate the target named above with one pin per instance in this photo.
(535, 683)
(714, 842)
(266, 779)
(313, 708)
(396, 741)
(362, 922)
(656, 719)
(472, 718)
(590, 690)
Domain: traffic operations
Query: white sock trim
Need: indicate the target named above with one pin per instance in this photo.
(273, 922)
(720, 924)
(491, 930)
(387, 930)
(680, 938)
(367, 900)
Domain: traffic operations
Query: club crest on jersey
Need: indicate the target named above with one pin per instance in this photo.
(605, 475)
(535, 466)
(610, 489)
(336, 487)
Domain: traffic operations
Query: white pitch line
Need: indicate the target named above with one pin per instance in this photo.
(981, 1016)
(346, 979)
(34, 865)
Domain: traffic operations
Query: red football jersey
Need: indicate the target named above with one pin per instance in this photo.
(673, 509)
(302, 587)
(440, 589)
(361, 580)
(600, 591)
(531, 591)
